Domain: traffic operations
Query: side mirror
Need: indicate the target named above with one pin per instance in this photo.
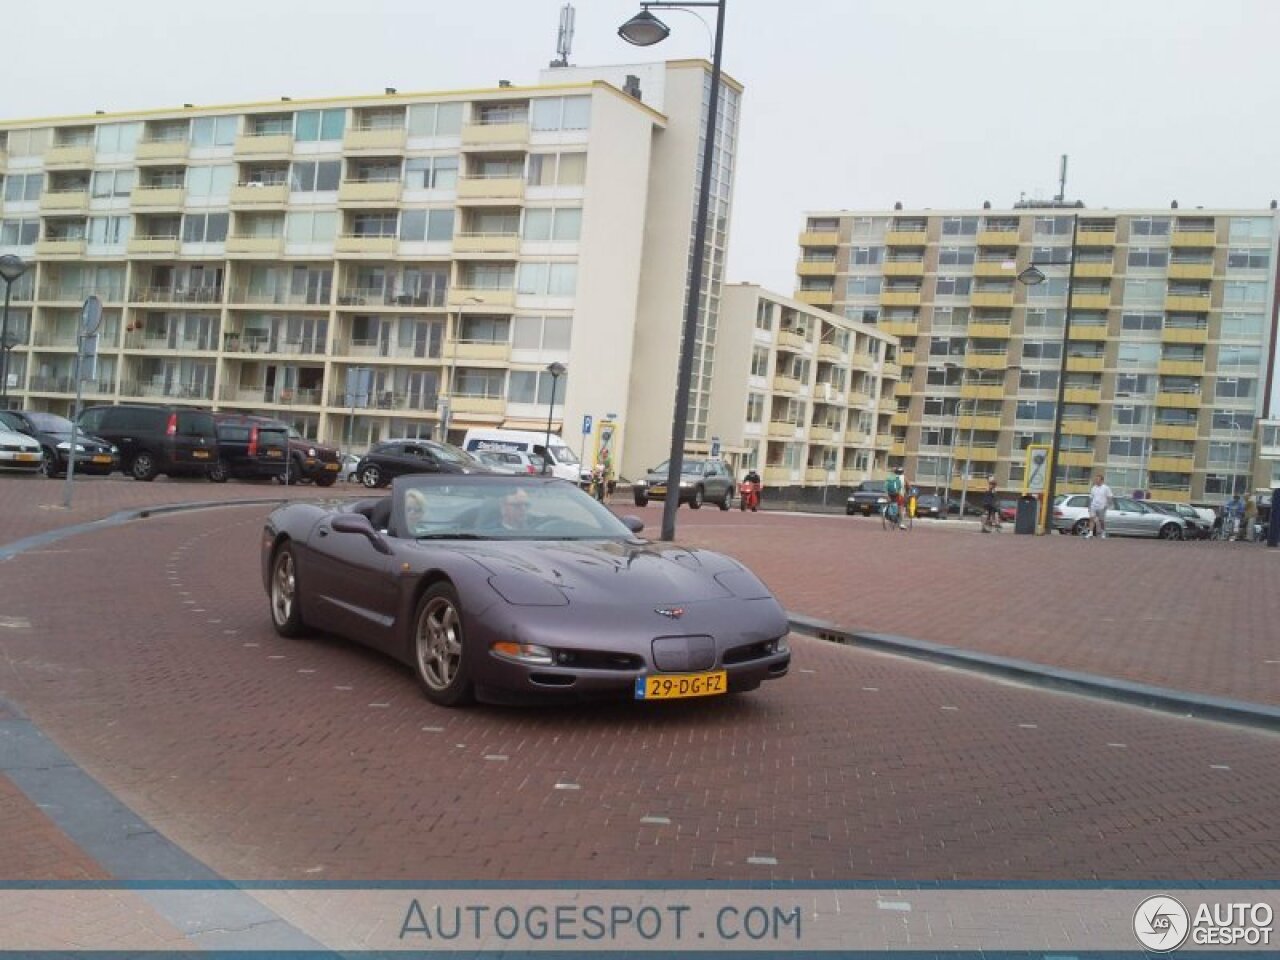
(359, 523)
(632, 523)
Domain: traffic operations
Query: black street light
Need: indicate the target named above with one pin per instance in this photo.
(11, 268)
(1033, 276)
(557, 371)
(643, 30)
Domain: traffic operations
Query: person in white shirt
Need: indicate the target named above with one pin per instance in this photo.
(1100, 498)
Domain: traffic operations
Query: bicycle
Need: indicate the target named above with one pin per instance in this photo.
(992, 522)
(892, 517)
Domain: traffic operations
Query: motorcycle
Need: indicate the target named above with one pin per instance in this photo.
(749, 496)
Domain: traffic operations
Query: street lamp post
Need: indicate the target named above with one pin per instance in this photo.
(11, 268)
(556, 370)
(1033, 276)
(643, 30)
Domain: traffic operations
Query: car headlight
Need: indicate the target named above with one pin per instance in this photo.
(779, 645)
(311, 451)
(523, 652)
(686, 483)
(115, 449)
(65, 445)
(882, 499)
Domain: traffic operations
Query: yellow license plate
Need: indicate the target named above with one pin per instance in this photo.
(102, 458)
(200, 454)
(275, 453)
(28, 456)
(672, 686)
(332, 466)
(657, 491)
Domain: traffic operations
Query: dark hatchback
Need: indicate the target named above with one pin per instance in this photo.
(93, 454)
(156, 439)
(394, 458)
(249, 448)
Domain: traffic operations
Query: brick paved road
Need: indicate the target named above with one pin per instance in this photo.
(314, 760)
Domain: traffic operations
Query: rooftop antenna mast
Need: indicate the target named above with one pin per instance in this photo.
(1062, 181)
(564, 39)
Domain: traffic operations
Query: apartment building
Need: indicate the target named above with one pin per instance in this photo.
(806, 397)
(1168, 359)
(369, 267)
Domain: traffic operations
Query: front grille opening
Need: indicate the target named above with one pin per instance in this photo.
(598, 660)
(552, 679)
(752, 651)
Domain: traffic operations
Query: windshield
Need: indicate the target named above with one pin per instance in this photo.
(49, 422)
(451, 454)
(499, 508)
(687, 468)
(563, 454)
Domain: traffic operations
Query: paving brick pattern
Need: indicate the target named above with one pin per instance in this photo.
(34, 848)
(312, 759)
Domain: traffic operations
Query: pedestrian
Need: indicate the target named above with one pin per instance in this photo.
(1250, 516)
(1100, 499)
(1234, 511)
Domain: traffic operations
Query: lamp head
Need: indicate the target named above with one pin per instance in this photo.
(556, 369)
(644, 30)
(1032, 276)
(11, 267)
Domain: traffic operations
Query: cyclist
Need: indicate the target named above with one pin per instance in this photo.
(895, 489)
(990, 508)
(1234, 514)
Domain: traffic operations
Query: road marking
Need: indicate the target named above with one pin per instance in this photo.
(276, 656)
(496, 756)
(950, 708)
(904, 906)
(563, 786)
(1119, 746)
(1218, 766)
(232, 630)
(380, 706)
(427, 729)
(763, 861)
(1028, 726)
(871, 689)
(344, 688)
(250, 644)
(803, 670)
(15, 623)
(655, 820)
(306, 671)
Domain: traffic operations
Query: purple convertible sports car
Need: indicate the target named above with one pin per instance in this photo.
(509, 589)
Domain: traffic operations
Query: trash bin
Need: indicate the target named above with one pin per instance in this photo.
(1028, 512)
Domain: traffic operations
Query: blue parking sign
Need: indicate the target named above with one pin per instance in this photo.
(586, 424)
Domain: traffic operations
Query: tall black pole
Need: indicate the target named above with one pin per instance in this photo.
(1051, 488)
(684, 378)
(4, 349)
(546, 447)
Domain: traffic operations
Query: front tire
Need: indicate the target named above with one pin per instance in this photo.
(1081, 528)
(220, 472)
(727, 502)
(1170, 531)
(695, 502)
(48, 464)
(642, 500)
(371, 476)
(328, 480)
(286, 594)
(440, 658)
(144, 466)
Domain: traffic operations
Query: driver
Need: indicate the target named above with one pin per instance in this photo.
(515, 510)
(415, 511)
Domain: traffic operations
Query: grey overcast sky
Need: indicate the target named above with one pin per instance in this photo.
(850, 104)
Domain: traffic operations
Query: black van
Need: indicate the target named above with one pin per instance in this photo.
(155, 439)
(249, 448)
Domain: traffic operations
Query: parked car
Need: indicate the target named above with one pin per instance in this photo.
(1008, 507)
(867, 498)
(972, 506)
(249, 448)
(312, 462)
(1127, 518)
(507, 588)
(394, 458)
(701, 481)
(1197, 528)
(19, 451)
(93, 454)
(510, 461)
(156, 439)
(930, 505)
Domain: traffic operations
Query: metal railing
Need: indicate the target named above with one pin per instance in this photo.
(212, 295)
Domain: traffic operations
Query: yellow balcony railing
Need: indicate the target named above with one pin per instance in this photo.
(259, 195)
(484, 352)
(65, 201)
(989, 331)
(256, 246)
(1185, 464)
(792, 340)
(816, 297)
(487, 298)
(982, 453)
(154, 245)
(996, 268)
(490, 188)
(1095, 269)
(1186, 401)
(1181, 368)
(906, 238)
(885, 441)
(1091, 301)
(144, 198)
(1184, 304)
(905, 357)
(819, 238)
(897, 448)
(161, 150)
(351, 243)
(1082, 395)
(891, 371)
(1191, 271)
(1085, 364)
(359, 191)
(60, 247)
(997, 238)
(902, 388)
(900, 298)
(1076, 458)
(1185, 334)
(979, 422)
(479, 406)
(1003, 299)
(982, 391)
(374, 138)
(900, 419)
(816, 475)
(820, 433)
(858, 398)
(816, 268)
(1096, 238)
(1089, 331)
(1193, 238)
(978, 360)
(486, 243)
(862, 361)
(901, 328)
(1170, 431)
(830, 352)
(485, 134)
(782, 429)
(783, 384)
(1080, 428)
(778, 476)
(904, 268)
(72, 155)
(260, 145)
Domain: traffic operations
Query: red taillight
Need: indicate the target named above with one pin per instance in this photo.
(528, 468)
(1057, 512)
(253, 441)
(172, 428)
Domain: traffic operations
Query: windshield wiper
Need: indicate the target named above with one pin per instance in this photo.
(452, 536)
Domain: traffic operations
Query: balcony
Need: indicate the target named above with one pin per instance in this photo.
(819, 238)
(1185, 401)
(470, 350)
(782, 430)
(897, 448)
(144, 198)
(820, 433)
(1076, 458)
(161, 151)
(1179, 494)
(982, 391)
(993, 331)
(508, 243)
(65, 201)
(1080, 428)
(1181, 368)
(986, 360)
(1187, 304)
(830, 353)
(491, 134)
(390, 139)
(1170, 334)
(978, 422)
(479, 406)
(1170, 431)
(257, 145)
(816, 297)
(1096, 238)
(256, 246)
(995, 268)
(997, 238)
(784, 384)
(260, 195)
(369, 191)
(1193, 238)
(1191, 271)
(154, 246)
(858, 398)
(900, 419)
(490, 188)
(60, 247)
(1091, 301)
(72, 155)
(1085, 364)
(891, 371)
(352, 243)
(817, 475)
(904, 268)
(900, 298)
(816, 268)
(857, 438)
(906, 238)
(906, 357)
(900, 328)
(902, 388)
(1004, 300)
(1183, 463)
(206, 295)
(982, 453)
(792, 340)
(1087, 270)
(488, 298)
(778, 476)
(1089, 331)
(1091, 395)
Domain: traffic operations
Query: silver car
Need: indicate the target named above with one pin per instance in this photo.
(1125, 518)
(701, 481)
(511, 461)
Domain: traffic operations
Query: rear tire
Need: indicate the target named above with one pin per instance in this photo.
(1081, 528)
(695, 502)
(143, 466)
(220, 472)
(440, 658)
(328, 480)
(286, 593)
(48, 464)
(727, 502)
(371, 476)
(641, 499)
(1170, 531)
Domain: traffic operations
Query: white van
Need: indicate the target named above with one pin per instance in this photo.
(563, 462)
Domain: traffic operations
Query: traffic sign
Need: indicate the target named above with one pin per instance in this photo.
(586, 424)
(90, 316)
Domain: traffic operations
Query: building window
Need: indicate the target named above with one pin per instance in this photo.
(764, 315)
(1038, 380)
(863, 287)
(557, 169)
(435, 119)
(1143, 291)
(112, 183)
(311, 226)
(558, 225)
(214, 131)
(118, 137)
(866, 256)
(432, 226)
(207, 182)
(548, 279)
(314, 177)
(204, 227)
(759, 362)
(314, 126)
(1237, 421)
(956, 256)
(23, 188)
(109, 231)
(1248, 258)
(561, 113)
(1235, 388)
(1149, 226)
(959, 226)
(755, 408)
(1052, 226)
(1250, 228)
(1142, 320)
(953, 286)
(1241, 291)
(1243, 325)
(431, 173)
(542, 333)
(1034, 410)
(1226, 484)
(1148, 257)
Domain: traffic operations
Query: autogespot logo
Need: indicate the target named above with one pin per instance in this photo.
(1161, 923)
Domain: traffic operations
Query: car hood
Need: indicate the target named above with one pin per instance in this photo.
(613, 572)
